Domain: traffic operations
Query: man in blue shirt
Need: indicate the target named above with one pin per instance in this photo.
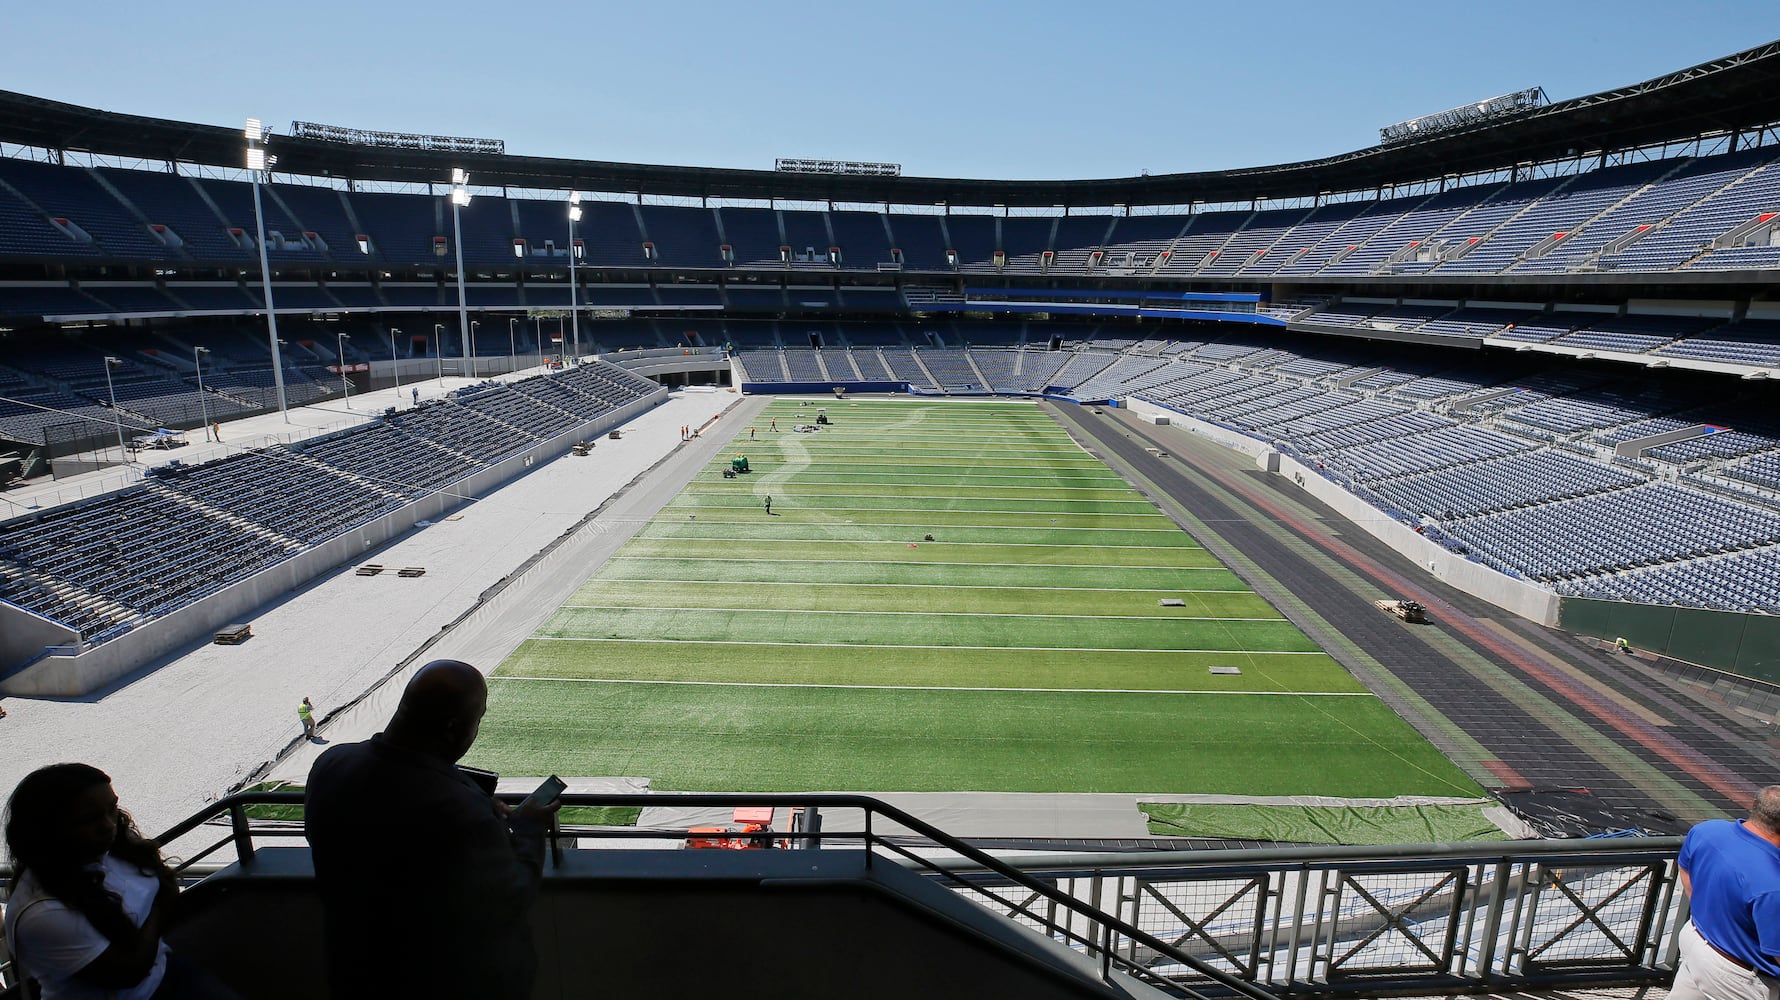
(1730, 949)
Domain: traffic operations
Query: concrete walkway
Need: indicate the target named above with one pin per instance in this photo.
(180, 732)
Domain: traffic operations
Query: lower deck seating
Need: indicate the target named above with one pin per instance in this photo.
(109, 564)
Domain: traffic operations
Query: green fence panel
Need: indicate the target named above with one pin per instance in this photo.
(1644, 626)
(1708, 637)
(1743, 644)
(1760, 655)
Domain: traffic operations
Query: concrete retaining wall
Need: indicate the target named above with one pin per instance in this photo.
(1211, 432)
(1526, 599)
(1519, 596)
(819, 388)
(24, 634)
(79, 674)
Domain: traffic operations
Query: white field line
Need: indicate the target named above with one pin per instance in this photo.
(914, 446)
(921, 444)
(887, 645)
(923, 614)
(747, 501)
(933, 687)
(924, 586)
(911, 562)
(899, 541)
(926, 525)
(917, 460)
(801, 483)
(889, 478)
(964, 469)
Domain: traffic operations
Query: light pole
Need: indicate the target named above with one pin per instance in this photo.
(258, 163)
(340, 340)
(123, 453)
(473, 325)
(538, 338)
(439, 342)
(512, 345)
(395, 365)
(574, 311)
(460, 199)
(203, 406)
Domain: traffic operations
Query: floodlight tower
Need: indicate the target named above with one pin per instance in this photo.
(123, 454)
(574, 310)
(395, 363)
(259, 163)
(203, 407)
(460, 199)
(340, 340)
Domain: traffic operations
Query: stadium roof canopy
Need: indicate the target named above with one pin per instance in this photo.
(1739, 91)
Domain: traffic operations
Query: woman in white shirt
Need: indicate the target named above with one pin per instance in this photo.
(90, 895)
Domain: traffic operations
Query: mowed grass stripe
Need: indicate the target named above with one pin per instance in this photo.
(923, 629)
(823, 473)
(828, 597)
(928, 519)
(834, 531)
(929, 573)
(955, 687)
(986, 505)
(906, 462)
(877, 471)
(931, 667)
(814, 739)
(792, 485)
(923, 552)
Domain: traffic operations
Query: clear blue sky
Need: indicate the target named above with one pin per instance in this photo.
(945, 87)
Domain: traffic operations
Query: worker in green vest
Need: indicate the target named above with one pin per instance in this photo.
(306, 712)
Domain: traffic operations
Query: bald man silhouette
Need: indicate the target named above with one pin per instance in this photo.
(426, 882)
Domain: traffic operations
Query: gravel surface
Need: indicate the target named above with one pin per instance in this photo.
(182, 731)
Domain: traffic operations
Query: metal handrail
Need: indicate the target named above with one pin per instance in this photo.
(1104, 946)
(1465, 916)
(1294, 920)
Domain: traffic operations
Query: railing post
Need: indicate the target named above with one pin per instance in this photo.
(240, 832)
(871, 840)
(1106, 949)
(1094, 889)
(1294, 936)
(1492, 921)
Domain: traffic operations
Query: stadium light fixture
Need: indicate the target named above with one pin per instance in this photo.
(123, 453)
(340, 340)
(203, 406)
(259, 163)
(574, 306)
(395, 365)
(460, 199)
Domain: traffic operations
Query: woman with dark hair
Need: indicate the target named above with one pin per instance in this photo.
(90, 895)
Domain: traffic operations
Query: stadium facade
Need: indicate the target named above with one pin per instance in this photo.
(1541, 343)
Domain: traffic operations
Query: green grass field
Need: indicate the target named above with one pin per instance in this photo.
(830, 646)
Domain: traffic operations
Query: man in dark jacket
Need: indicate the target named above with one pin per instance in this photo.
(426, 882)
